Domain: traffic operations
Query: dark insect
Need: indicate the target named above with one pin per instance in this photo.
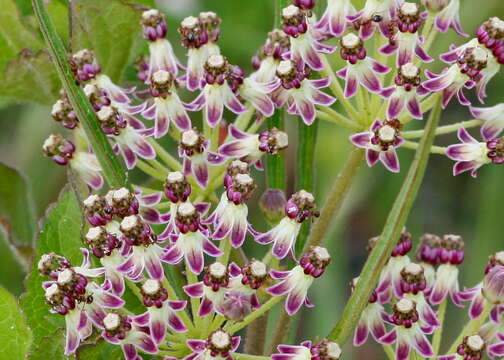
(377, 18)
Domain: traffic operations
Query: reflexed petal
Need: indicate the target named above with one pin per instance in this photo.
(390, 160)
(175, 323)
(362, 140)
(194, 258)
(361, 334)
(463, 166)
(206, 307)
(462, 152)
(372, 157)
(210, 249)
(194, 290)
(294, 301)
(196, 345)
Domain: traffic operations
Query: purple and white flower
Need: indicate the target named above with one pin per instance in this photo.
(407, 334)
(219, 345)
(217, 93)
(161, 312)
(193, 148)
(473, 347)
(493, 118)
(325, 350)
(85, 164)
(192, 241)
(296, 282)
(167, 106)
(448, 16)
(334, 21)
(268, 57)
(360, 69)
(304, 48)
(490, 35)
(380, 143)
(428, 257)
(298, 208)
(376, 13)
(299, 93)
(121, 330)
(471, 154)
(250, 147)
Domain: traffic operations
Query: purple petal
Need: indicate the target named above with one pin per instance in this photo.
(389, 338)
(281, 288)
(196, 345)
(372, 157)
(422, 345)
(175, 323)
(360, 334)
(194, 290)
(390, 160)
(361, 140)
(194, 258)
(210, 249)
(294, 301)
(158, 330)
(206, 307)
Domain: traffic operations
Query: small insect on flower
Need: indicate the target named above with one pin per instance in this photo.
(296, 282)
(375, 14)
(380, 143)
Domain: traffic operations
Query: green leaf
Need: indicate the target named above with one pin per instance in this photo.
(15, 336)
(99, 350)
(58, 12)
(111, 29)
(11, 271)
(61, 234)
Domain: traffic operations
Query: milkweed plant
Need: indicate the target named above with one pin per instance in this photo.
(173, 242)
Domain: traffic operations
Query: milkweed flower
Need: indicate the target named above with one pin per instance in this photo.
(405, 93)
(490, 34)
(471, 154)
(493, 118)
(428, 257)
(217, 93)
(407, 334)
(130, 142)
(160, 49)
(380, 143)
(473, 347)
(121, 330)
(192, 240)
(475, 66)
(325, 350)
(193, 148)
(298, 208)
(63, 112)
(141, 250)
(360, 69)
(404, 38)
(161, 312)
(300, 93)
(199, 36)
(334, 21)
(124, 202)
(167, 106)
(447, 14)
(390, 277)
(230, 216)
(376, 13)
(296, 282)
(219, 345)
(372, 319)
(304, 48)
(85, 164)
(86, 69)
(250, 147)
(451, 254)
(268, 57)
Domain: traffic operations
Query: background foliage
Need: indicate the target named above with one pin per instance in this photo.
(29, 182)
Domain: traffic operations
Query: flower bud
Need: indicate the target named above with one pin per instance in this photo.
(272, 204)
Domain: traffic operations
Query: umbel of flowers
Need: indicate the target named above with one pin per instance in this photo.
(195, 217)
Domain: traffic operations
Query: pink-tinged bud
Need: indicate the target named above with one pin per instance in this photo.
(272, 204)
(255, 274)
(315, 261)
(122, 202)
(301, 206)
(493, 285)
(154, 294)
(176, 187)
(473, 348)
(216, 276)
(451, 250)
(211, 23)
(326, 350)
(405, 313)
(97, 211)
(428, 252)
(154, 26)
(84, 65)
(58, 149)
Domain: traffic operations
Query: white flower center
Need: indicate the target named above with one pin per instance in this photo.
(386, 133)
(150, 287)
(91, 200)
(333, 350)
(497, 24)
(207, 14)
(500, 257)
(321, 253)
(50, 142)
(51, 291)
(216, 61)
(94, 233)
(281, 139)
(43, 260)
(146, 15)
(220, 339)
(404, 306)
(57, 107)
(89, 89)
(121, 194)
(81, 54)
(217, 269)
(258, 268)
(111, 321)
(479, 54)
(290, 11)
(475, 342)
(105, 113)
(285, 67)
(186, 209)
(244, 179)
(350, 41)
(305, 195)
(409, 70)
(175, 176)
(161, 76)
(241, 165)
(65, 276)
(189, 22)
(413, 269)
(190, 137)
(409, 8)
(129, 222)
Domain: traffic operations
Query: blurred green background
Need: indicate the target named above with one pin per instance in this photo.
(461, 205)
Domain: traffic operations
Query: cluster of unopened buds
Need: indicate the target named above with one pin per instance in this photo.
(137, 235)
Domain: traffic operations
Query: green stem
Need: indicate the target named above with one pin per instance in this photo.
(335, 197)
(472, 327)
(149, 170)
(225, 247)
(391, 232)
(436, 340)
(195, 304)
(335, 117)
(275, 165)
(113, 170)
(441, 130)
(167, 158)
(389, 351)
(232, 328)
(433, 149)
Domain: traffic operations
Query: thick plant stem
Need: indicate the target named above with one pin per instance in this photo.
(113, 170)
(472, 327)
(436, 340)
(335, 198)
(281, 331)
(232, 328)
(256, 336)
(391, 232)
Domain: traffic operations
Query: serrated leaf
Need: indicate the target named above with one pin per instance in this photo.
(17, 207)
(111, 29)
(61, 233)
(15, 336)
